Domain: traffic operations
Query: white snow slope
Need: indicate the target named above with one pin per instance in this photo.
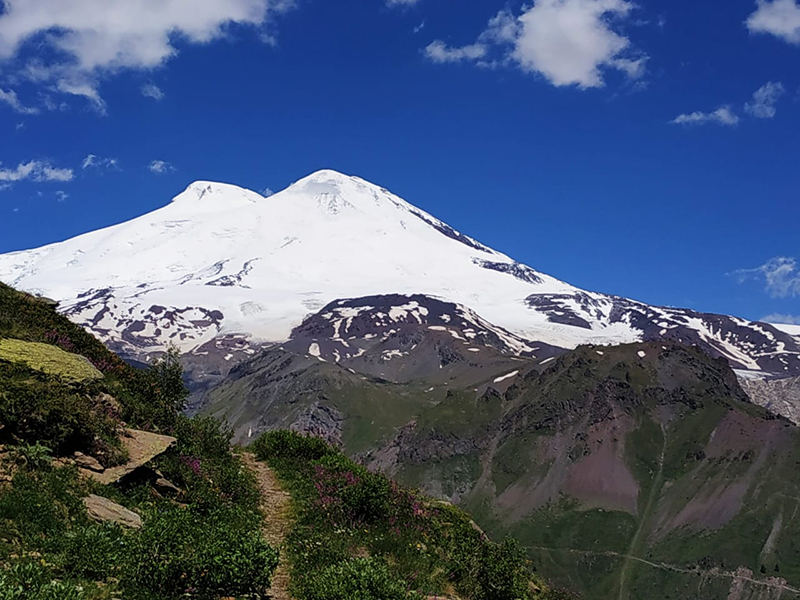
(220, 259)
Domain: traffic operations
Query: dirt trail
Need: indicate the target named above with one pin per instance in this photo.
(644, 520)
(275, 504)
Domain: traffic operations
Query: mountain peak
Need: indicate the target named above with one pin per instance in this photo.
(211, 194)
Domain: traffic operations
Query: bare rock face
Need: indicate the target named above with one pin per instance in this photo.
(104, 510)
(779, 396)
(322, 421)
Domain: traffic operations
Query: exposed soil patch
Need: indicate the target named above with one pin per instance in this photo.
(275, 504)
(601, 478)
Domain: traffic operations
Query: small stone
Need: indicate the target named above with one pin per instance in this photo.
(104, 510)
(87, 462)
(166, 487)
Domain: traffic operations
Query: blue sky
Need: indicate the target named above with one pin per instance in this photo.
(646, 149)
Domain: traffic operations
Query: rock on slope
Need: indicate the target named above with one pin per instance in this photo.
(222, 261)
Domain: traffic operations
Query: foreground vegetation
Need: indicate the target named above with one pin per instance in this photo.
(61, 392)
(357, 535)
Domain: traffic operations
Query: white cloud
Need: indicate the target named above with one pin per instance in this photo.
(781, 319)
(780, 18)
(160, 167)
(267, 192)
(401, 2)
(724, 115)
(780, 274)
(35, 170)
(150, 90)
(440, 52)
(61, 196)
(762, 106)
(78, 42)
(10, 97)
(85, 89)
(569, 42)
(92, 161)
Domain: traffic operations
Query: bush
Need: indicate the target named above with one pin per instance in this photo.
(503, 572)
(93, 551)
(32, 581)
(357, 579)
(154, 398)
(36, 456)
(40, 506)
(180, 552)
(361, 495)
(203, 465)
(282, 445)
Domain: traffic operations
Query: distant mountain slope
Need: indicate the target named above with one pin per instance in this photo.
(222, 260)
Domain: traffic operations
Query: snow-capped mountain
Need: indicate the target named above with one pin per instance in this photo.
(221, 261)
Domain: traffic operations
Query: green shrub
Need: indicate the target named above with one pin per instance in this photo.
(180, 552)
(278, 445)
(40, 506)
(203, 465)
(155, 397)
(92, 552)
(357, 579)
(29, 580)
(503, 572)
(36, 456)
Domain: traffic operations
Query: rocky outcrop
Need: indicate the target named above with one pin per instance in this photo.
(321, 420)
(142, 447)
(780, 396)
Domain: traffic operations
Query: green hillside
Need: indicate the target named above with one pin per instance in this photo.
(632, 472)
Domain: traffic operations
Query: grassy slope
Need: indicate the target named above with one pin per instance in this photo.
(357, 530)
(49, 549)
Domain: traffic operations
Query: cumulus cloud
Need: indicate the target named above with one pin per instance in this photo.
(160, 167)
(150, 90)
(77, 42)
(780, 18)
(724, 115)
(780, 275)
(569, 42)
(35, 170)
(781, 319)
(61, 196)
(765, 99)
(92, 161)
(10, 97)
